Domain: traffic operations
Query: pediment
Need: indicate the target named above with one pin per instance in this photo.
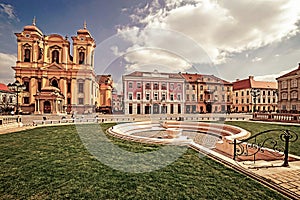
(53, 66)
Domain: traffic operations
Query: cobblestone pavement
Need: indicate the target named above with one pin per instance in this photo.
(289, 180)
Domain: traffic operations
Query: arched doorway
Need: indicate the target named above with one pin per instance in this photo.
(47, 107)
(208, 108)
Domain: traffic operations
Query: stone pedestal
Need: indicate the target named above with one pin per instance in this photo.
(174, 132)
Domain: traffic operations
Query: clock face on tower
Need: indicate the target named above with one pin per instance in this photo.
(81, 38)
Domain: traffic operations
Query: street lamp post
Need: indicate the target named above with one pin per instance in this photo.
(255, 93)
(16, 87)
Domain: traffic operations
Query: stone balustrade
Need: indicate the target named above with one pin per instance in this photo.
(10, 121)
(277, 117)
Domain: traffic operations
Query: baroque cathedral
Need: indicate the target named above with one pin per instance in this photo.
(56, 81)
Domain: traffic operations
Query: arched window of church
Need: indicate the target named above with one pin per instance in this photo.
(55, 56)
(40, 53)
(54, 83)
(81, 57)
(27, 55)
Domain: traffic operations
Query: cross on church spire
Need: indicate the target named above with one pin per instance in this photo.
(84, 24)
(34, 21)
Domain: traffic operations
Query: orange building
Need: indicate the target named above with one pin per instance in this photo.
(105, 89)
(244, 101)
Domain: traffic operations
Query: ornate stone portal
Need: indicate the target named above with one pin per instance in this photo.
(49, 100)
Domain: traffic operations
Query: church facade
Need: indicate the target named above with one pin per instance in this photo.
(56, 81)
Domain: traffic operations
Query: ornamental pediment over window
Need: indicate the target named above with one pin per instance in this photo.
(55, 47)
(53, 66)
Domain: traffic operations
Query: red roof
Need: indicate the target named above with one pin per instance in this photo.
(141, 74)
(195, 77)
(242, 84)
(4, 87)
(101, 79)
(251, 83)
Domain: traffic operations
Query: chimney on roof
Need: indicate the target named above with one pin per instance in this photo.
(251, 77)
(298, 65)
(237, 80)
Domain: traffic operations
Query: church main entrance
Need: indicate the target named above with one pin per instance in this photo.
(47, 107)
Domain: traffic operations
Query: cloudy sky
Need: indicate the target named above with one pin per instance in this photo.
(231, 39)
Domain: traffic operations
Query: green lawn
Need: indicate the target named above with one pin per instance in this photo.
(52, 163)
(255, 128)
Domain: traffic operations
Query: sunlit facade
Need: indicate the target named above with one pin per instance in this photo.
(55, 80)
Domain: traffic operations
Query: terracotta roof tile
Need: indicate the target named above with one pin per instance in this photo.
(140, 74)
(263, 84)
(241, 84)
(4, 87)
(195, 77)
(103, 78)
(251, 83)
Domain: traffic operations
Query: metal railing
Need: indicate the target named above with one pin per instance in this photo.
(252, 146)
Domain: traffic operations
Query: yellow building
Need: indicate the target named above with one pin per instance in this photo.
(56, 81)
(207, 94)
(265, 100)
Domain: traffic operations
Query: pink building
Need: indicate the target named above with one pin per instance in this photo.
(117, 102)
(153, 93)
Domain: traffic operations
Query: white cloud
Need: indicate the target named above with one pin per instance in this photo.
(9, 11)
(221, 28)
(272, 77)
(6, 62)
(256, 59)
(148, 59)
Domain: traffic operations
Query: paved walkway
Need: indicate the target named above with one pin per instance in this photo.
(283, 179)
(12, 129)
(288, 178)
